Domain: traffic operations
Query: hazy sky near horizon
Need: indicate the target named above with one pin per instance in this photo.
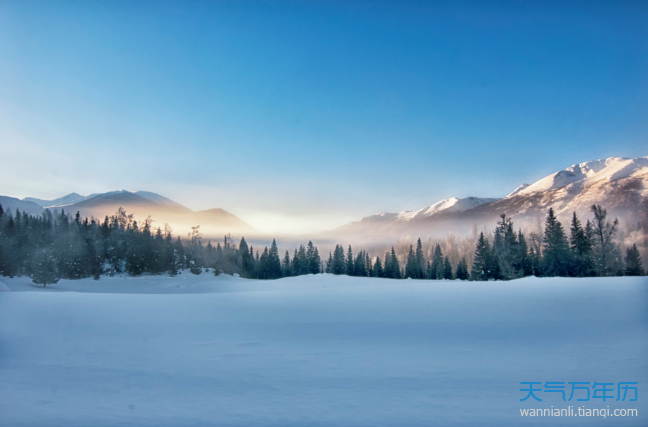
(301, 116)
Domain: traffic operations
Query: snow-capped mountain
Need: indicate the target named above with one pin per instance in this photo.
(452, 204)
(583, 174)
(446, 206)
(618, 184)
(517, 190)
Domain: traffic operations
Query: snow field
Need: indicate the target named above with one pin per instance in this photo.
(313, 350)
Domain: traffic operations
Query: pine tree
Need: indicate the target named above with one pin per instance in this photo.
(194, 267)
(507, 261)
(581, 248)
(447, 269)
(339, 261)
(157, 265)
(295, 263)
(246, 259)
(359, 267)
(377, 268)
(606, 253)
(329, 264)
(300, 262)
(462, 270)
(263, 271)
(368, 267)
(535, 261)
(170, 264)
(135, 262)
(411, 269)
(179, 256)
(274, 263)
(394, 268)
(350, 266)
(526, 265)
(285, 265)
(633, 265)
(387, 267)
(257, 265)
(556, 252)
(313, 257)
(420, 260)
(436, 270)
(316, 262)
(45, 270)
(481, 267)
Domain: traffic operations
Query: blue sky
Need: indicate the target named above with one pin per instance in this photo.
(300, 116)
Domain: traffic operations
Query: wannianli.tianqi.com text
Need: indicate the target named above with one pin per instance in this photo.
(570, 411)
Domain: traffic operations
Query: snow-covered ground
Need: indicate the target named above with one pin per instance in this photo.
(314, 350)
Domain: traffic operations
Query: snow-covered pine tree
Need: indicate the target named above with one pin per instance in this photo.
(179, 256)
(45, 269)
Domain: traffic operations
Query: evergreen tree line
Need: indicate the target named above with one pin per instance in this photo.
(58, 245)
(589, 251)
(55, 245)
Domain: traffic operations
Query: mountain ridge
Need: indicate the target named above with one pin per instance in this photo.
(619, 184)
(142, 204)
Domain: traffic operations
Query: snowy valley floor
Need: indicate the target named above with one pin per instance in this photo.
(314, 350)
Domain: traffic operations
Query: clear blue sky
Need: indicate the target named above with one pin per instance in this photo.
(302, 116)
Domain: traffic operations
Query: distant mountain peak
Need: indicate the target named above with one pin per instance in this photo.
(588, 172)
(517, 190)
(61, 201)
(452, 204)
(618, 183)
